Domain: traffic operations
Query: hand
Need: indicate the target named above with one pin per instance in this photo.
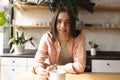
(38, 77)
(61, 67)
(42, 72)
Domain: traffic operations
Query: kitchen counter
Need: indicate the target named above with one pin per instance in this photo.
(110, 55)
(104, 57)
(100, 55)
(83, 76)
(29, 53)
(20, 56)
(94, 76)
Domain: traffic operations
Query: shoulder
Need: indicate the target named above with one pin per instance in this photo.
(81, 35)
(47, 35)
(80, 38)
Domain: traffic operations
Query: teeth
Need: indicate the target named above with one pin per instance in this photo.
(63, 30)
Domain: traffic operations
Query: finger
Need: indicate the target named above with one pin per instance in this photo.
(48, 68)
(43, 78)
(44, 73)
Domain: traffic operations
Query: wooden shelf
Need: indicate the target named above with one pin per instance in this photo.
(30, 27)
(97, 28)
(107, 8)
(30, 7)
(35, 7)
(78, 27)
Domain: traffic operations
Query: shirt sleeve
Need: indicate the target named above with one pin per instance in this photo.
(41, 53)
(79, 56)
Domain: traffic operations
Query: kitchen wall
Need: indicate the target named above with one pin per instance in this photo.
(108, 40)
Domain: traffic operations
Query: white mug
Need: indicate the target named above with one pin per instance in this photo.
(57, 75)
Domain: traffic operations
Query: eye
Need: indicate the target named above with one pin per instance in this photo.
(59, 21)
(67, 22)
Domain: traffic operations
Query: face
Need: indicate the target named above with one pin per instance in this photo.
(63, 24)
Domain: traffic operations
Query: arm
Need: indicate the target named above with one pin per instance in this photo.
(40, 57)
(79, 56)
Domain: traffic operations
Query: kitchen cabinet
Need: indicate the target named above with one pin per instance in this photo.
(11, 67)
(24, 8)
(30, 62)
(10, 72)
(106, 65)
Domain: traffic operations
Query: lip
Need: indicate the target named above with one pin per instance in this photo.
(63, 30)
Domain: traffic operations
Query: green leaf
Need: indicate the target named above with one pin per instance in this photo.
(73, 4)
(32, 43)
(11, 41)
(20, 39)
(2, 18)
(11, 32)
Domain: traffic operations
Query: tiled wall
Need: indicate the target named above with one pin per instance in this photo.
(108, 40)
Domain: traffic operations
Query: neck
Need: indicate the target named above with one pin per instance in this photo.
(64, 38)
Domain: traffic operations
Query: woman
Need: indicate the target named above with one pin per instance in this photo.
(63, 46)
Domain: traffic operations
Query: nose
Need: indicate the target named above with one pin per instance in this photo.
(63, 24)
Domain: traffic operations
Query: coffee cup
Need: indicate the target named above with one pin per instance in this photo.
(57, 75)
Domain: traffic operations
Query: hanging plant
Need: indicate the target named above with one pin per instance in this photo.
(73, 4)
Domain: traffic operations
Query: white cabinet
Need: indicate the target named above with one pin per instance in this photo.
(106, 66)
(6, 61)
(10, 72)
(12, 67)
(30, 62)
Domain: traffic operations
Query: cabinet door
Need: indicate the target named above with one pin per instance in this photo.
(11, 67)
(106, 66)
(13, 61)
(30, 63)
(10, 72)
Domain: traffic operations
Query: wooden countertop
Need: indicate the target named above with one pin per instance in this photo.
(83, 76)
(94, 76)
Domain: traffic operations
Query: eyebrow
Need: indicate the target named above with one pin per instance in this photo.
(61, 20)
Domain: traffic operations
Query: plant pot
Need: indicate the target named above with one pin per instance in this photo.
(93, 51)
(18, 49)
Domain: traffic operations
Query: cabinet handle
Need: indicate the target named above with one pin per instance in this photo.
(108, 64)
(13, 69)
(88, 67)
(13, 61)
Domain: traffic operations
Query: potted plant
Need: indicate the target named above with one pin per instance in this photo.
(73, 4)
(18, 43)
(93, 47)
